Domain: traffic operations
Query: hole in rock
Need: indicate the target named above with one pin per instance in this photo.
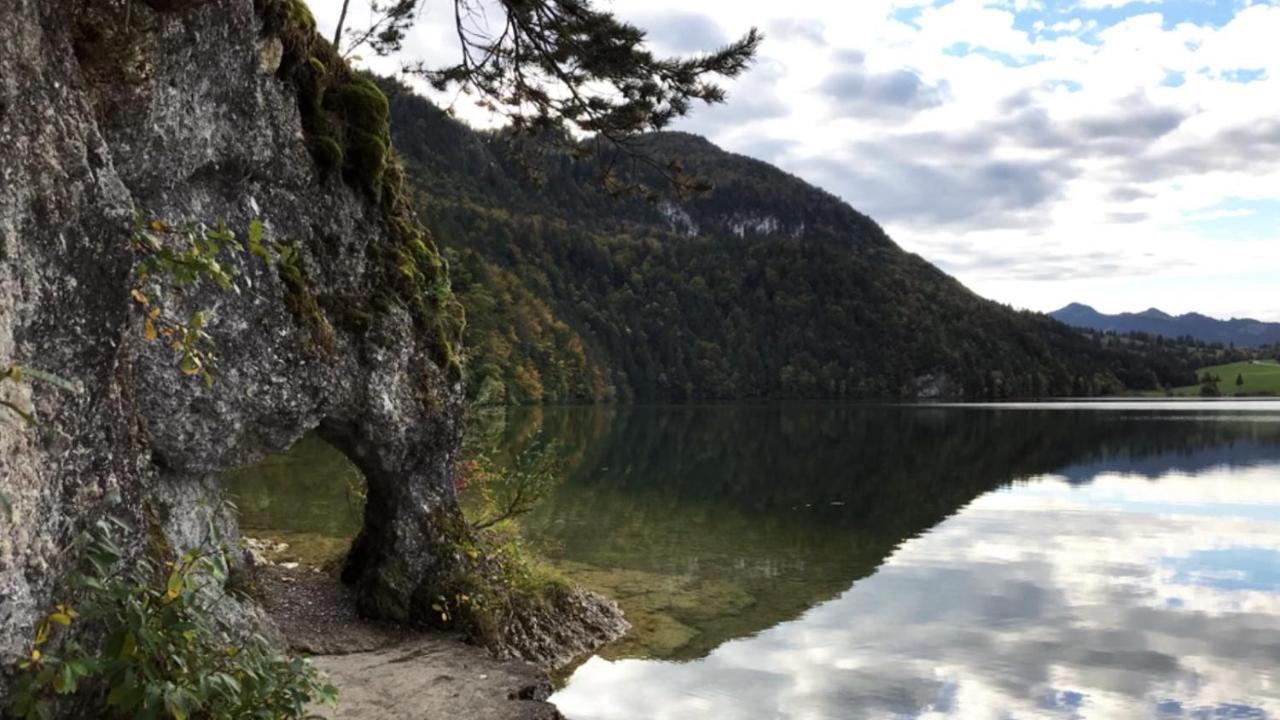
(302, 506)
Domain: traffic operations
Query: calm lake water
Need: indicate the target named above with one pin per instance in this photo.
(1110, 560)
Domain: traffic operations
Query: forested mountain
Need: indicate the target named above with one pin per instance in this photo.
(767, 287)
(1239, 331)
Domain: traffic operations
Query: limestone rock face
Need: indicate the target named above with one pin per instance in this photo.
(181, 114)
(64, 262)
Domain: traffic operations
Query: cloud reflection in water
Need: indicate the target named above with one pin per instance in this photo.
(1126, 597)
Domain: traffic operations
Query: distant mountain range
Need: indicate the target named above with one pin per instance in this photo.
(1243, 332)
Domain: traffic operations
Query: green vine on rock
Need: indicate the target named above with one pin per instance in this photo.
(174, 260)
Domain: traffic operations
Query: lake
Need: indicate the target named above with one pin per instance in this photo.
(1084, 560)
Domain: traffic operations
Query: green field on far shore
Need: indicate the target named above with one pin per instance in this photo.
(1261, 377)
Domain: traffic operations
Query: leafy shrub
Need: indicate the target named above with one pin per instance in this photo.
(496, 492)
(163, 653)
(507, 583)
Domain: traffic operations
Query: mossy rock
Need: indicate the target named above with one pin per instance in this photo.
(440, 289)
(345, 120)
(302, 302)
(366, 160)
(311, 92)
(362, 105)
(293, 22)
(299, 15)
(327, 152)
(352, 313)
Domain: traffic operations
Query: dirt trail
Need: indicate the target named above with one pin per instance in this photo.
(385, 671)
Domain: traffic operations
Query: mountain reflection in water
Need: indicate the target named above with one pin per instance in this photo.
(1103, 561)
(1003, 562)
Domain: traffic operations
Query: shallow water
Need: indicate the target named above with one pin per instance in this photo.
(1095, 561)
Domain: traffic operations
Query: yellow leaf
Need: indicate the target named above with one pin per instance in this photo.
(42, 634)
(60, 618)
(157, 226)
(148, 330)
(139, 297)
(174, 587)
(155, 313)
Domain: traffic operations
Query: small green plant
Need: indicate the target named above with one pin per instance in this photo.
(174, 259)
(163, 653)
(506, 581)
(500, 492)
(17, 374)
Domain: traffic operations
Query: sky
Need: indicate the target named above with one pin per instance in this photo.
(1121, 154)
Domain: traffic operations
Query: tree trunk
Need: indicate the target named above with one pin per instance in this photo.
(337, 33)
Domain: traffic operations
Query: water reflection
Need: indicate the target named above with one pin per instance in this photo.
(848, 562)
(1130, 572)
(708, 524)
(1117, 600)
(309, 498)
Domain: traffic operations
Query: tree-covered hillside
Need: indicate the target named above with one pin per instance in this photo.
(767, 287)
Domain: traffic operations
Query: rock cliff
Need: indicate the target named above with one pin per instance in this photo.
(209, 111)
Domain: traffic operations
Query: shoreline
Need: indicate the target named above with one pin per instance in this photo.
(386, 670)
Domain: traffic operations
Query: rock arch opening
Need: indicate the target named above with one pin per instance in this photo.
(300, 508)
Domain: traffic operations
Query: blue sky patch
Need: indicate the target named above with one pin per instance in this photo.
(964, 49)
(1239, 219)
(1206, 13)
(1230, 569)
(1244, 75)
(907, 15)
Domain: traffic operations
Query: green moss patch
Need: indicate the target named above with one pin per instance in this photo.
(301, 300)
(345, 118)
